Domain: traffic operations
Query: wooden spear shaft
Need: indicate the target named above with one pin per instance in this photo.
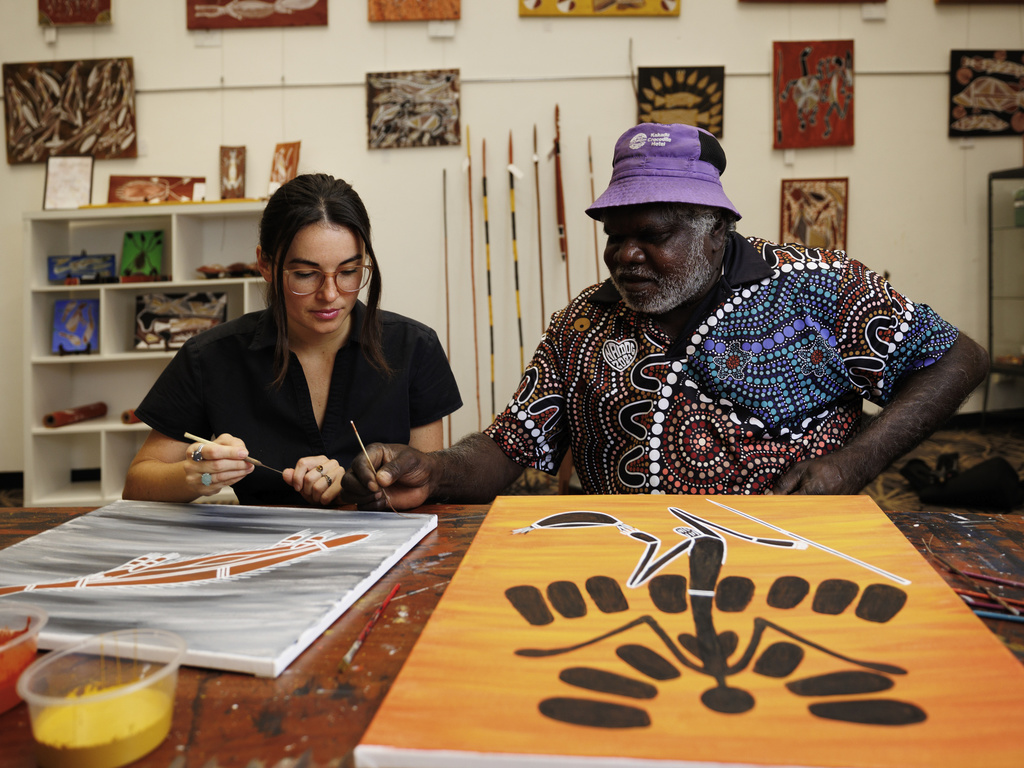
(540, 239)
(487, 245)
(593, 197)
(563, 243)
(472, 280)
(515, 248)
(447, 290)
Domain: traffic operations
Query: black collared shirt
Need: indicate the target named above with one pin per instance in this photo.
(221, 382)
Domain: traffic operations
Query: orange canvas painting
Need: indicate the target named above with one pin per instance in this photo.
(699, 631)
(413, 10)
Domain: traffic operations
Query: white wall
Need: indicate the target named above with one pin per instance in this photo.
(917, 198)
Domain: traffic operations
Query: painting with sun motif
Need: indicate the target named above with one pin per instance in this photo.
(651, 630)
(687, 95)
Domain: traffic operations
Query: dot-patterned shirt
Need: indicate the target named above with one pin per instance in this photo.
(771, 371)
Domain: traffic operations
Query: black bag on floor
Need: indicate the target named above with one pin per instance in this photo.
(992, 484)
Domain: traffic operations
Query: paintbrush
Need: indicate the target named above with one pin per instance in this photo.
(959, 572)
(371, 465)
(250, 459)
(969, 593)
(347, 659)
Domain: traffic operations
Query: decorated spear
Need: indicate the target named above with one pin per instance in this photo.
(564, 471)
(487, 245)
(563, 244)
(593, 197)
(447, 290)
(515, 248)
(472, 280)
(540, 240)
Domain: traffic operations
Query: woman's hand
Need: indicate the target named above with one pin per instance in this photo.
(210, 467)
(318, 479)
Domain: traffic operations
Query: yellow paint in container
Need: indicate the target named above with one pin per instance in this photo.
(104, 702)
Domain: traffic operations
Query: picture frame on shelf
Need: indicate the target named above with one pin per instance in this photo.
(142, 254)
(76, 326)
(232, 173)
(156, 189)
(68, 182)
(83, 268)
(165, 321)
(284, 165)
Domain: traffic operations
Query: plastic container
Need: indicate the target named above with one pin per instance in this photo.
(19, 634)
(105, 701)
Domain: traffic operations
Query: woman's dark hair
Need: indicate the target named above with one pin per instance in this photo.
(316, 198)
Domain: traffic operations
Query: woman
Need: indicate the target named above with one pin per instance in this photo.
(284, 384)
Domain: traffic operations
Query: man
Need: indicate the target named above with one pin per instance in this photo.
(709, 363)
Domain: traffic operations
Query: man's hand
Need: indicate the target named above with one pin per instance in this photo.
(403, 473)
(826, 476)
(472, 471)
(923, 403)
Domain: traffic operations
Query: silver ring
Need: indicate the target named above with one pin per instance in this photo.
(329, 480)
(207, 478)
(197, 454)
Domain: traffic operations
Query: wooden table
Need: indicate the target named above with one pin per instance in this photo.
(313, 716)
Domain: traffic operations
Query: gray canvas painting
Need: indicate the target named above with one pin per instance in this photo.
(248, 588)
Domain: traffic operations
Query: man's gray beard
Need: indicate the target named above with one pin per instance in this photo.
(676, 289)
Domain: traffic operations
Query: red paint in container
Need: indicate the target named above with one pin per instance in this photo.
(19, 631)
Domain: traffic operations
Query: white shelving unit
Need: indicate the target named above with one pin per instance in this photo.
(195, 234)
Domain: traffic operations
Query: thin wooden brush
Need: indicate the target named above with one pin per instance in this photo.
(390, 505)
(250, 459)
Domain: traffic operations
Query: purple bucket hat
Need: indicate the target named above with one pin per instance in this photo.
(656, 163)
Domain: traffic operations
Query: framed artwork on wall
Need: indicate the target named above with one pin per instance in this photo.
(239, 14)
(418, 108)
(61, 13)
(816, 2)
(984, 93)
(36, 128)
(813, 93)
(598, 7)
(814, 212)
(687, 95)
(68, 182)
(413, 10)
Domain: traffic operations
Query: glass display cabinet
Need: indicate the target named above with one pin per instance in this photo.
(1005, 280)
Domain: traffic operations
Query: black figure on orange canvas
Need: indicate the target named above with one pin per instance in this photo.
(837, 695)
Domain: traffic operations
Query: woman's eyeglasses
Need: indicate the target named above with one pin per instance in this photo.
(305, 281)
